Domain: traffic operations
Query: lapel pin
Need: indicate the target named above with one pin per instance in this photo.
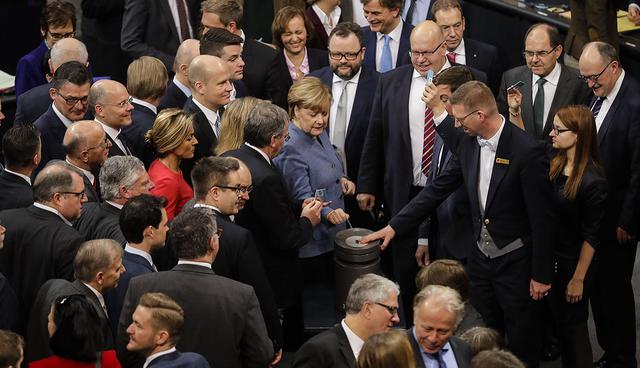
(503, 161)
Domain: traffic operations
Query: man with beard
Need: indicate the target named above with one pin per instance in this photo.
(353, 86)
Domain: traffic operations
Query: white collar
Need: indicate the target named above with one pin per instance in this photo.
(129, 249)
(354, 79)
(445, 66)
(65, 120)
(204, 205)
(553, 77)
(260, 152)
(145, 104)
(86, 173)
(460, 49)
(114, 204)
(194, 263)
(28, 179)
(495, 139)
(243, 37)
(52, 210)
(616, 88)
(111, 132)
(324, 18)
(151, 357)
(211, 115)
(185, 89)
(395, 34)
(354, 340)
(97, 293)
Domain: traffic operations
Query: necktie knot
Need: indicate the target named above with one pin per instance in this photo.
(541, 82)
(451, 56)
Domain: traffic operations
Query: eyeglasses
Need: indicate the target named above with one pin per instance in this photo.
(219, 232)
(461, 120)
(594, 78)
(77, 194)
(59, 36)
(390, 309)
(530, 54)
(102, 145)
(350, 56)
(72, 101)
(557, 130)
(240, 190)
(122, 104)
(417, 54)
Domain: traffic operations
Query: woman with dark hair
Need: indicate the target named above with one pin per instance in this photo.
(582, 191)
(75, 336)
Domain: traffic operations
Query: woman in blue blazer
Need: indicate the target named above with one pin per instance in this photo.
(310, 166)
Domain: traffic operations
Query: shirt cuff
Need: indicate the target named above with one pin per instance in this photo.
(423, 242)
(440, 118)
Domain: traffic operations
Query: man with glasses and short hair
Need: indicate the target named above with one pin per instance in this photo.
(110, 103)
(353, 86)
(548, 85)
(616, 110)
(371, 308)
(223, 184)
(41, 242)
(87, 149)
(69, 92)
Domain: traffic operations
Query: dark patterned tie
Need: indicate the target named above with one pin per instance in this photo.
(596, 106)
(182, 18)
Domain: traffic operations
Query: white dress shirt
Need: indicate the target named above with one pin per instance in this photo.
(52, 210)
(65, 120)
(151, 357)
(145, 104)
(487, 158)
(328, 21)
(394, 44)
(212, 116)
(606, 104)
(461, 55)
(549, 89)
(185, 89)
(26, 178)
(114, 134)
(355, 342)
(420, 11)
(336, 92)
(99, 296)
(173, 5)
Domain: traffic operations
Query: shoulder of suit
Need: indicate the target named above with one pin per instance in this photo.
(517, 71)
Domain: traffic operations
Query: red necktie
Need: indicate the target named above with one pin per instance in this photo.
(428, 140)
(452, 57)
(182, 18)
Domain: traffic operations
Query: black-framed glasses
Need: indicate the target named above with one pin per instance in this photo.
(72, 101)
(240, 190)
(350, 56)
(558, 131)
(462, 119)
(594, 77)
(122, 104)
(77, 194)
(530, 54)
(102, 145)
(417, 54)
(390, 309)
(59, 36)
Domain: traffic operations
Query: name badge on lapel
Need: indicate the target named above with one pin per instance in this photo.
(502, 161)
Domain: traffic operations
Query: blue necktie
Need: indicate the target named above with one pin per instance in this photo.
(385, 59)
(597, 105)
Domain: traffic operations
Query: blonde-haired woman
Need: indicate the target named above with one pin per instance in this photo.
(389, 349)
(172, 138)
(232, 124)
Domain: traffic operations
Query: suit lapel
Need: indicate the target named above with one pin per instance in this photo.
(169, 16)
(472, 183)
(606, 123)
(345, 348)
(370, 44)
(404, 89)
(500, 169)
(562, 92)
(527, 101)
(357, 112)
(470, 53)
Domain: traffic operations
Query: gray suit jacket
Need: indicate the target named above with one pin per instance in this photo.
(570, 91)
(461, 350)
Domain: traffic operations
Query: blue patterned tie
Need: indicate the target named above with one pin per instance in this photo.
(596, 106)
(385, 58)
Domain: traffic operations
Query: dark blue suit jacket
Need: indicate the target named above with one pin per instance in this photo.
(51, 135)
(370, 40)
(484, 57)
(241, 89)
(174, 97)
(359, 119)
(29, 70)
(8, 305)
(179, 360)
(33, 103)
(114, 299)
(142, 119)
(15, 193)
(519, 201)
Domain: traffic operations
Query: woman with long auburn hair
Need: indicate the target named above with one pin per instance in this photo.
(582, 191)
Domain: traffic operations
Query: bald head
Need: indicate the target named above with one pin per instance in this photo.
(68, 49)
(85, 144)
(427, 47)
(600, 65)
(109, 102)
(188, 50)
(209, 80)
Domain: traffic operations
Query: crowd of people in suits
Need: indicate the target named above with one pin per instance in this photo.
(172, 185)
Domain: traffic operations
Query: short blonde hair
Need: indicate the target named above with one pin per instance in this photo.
(475, 95)
(166, 313)
(232, 124)
(147, 78)
(170, 129)
(309, 93)
(389, 349)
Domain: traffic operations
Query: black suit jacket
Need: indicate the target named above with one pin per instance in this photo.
(484, 57)
(90, 190)
(142, 119)
(241, 89)
(174, 98)
(519, 201)
(100, 221)
(461, 350)
(51, 135)
(260, 69)
(279, 236)
(148, 29)
(207, 140)
(327, 349)
(359, 119)
(115, 150)
(37, 334)
(238, 260)
(8, 305)
(570, 91)
(619, 141)
(15, 193)
(223, 321)
(370, 41)
(38, 246)
(32, 104)
(317, 59)
(179, 360)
